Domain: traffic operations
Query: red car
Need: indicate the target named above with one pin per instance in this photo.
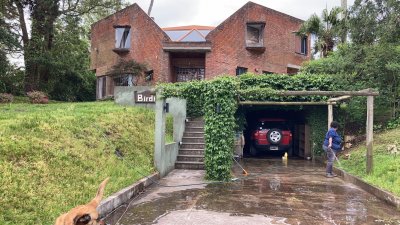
(271, 134)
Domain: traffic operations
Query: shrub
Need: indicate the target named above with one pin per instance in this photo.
(6, 98)
(38, 97)
(393, 123)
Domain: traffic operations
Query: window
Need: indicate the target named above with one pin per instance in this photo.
(125, 80)
(282, 125)
(304, 45)
(292, 71)
(122, 37)
(189, 74)
(101, 87)
(149, 75)
(267, 72)
(254, 34)
(240, 70)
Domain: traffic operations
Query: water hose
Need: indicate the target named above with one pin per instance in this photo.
(244, 171)
(333, 152)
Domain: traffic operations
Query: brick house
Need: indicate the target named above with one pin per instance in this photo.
(254, 39)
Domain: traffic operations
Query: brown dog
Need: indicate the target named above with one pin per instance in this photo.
(84, 214)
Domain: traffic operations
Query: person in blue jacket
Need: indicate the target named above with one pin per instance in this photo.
(331, 146)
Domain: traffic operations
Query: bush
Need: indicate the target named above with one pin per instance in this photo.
(6, 98)
(73, 86)
(38, 97)
(393, 123)
(12, 81)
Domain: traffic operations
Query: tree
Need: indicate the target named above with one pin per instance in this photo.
(372, 21)
(327, 29)
(71, 80)
(37, 47)
(365, 66)
(10, 77)
(371, 59)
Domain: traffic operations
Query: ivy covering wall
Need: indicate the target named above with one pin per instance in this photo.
(317, 120)
(217, 100)
(219, 115)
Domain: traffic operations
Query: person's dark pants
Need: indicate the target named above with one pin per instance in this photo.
(330, 154)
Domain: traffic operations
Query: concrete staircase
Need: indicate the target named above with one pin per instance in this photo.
(191, 151)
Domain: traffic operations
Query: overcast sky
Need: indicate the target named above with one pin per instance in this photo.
(169, 13)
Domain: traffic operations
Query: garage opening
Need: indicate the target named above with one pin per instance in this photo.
(272, 131)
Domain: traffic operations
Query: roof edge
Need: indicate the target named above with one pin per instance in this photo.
(244, 7)
(188, 27)
(134, 5)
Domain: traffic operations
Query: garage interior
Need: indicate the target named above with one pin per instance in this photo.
(295, 119)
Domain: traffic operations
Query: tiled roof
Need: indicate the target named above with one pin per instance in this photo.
(193, 33)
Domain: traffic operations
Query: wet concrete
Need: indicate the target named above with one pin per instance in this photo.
(296, 192)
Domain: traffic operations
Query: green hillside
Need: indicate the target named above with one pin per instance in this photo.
(53, 157)
(386, 173)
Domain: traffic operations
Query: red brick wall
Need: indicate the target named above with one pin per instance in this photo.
(146, 43)
(229, 47)
(227, 41)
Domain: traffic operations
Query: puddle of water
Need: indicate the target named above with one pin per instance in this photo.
(283, 195)
(200, 217)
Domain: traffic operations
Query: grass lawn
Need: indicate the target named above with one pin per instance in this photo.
(386, 170)
(53, 157)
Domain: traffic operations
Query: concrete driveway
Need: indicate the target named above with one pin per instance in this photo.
(273, 193)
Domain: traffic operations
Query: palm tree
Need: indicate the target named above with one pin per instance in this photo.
(327, 29)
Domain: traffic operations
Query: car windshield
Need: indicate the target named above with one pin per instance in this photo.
(272, 124)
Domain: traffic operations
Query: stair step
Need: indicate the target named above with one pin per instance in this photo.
(191, 152)
(189, 165)
(193, 134)
(190, 158)
(194, 129)
(195, 124)
(186, 140)
(190, 119)
(186, 145)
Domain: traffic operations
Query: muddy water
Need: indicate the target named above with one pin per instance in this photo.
(274, 193)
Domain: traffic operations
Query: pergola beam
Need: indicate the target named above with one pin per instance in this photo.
(339, 98)
(367, 92)
(330, 115)
(342, 95)
(370, 132)
(285, 103)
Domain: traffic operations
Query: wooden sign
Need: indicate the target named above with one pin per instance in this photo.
(145, 97)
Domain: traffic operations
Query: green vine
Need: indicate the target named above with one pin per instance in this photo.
(220, 108)
(217, 100)
(317, 120)
(193, 92)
